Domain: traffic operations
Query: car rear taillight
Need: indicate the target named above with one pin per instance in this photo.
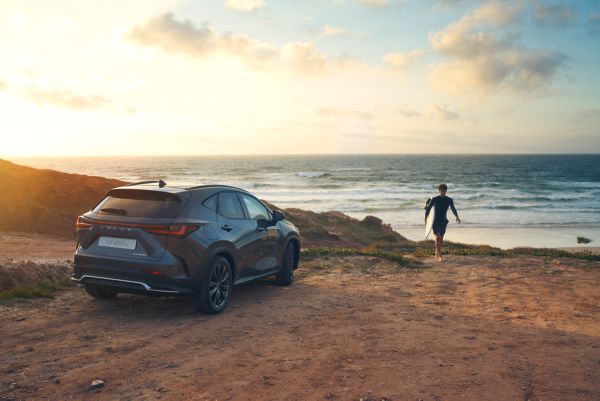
(178, 230)
(82, 223)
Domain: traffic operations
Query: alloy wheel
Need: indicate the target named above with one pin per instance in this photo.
(219, 285)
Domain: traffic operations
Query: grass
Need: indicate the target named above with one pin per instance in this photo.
(426, 248)
(484, 250)
(43, 289)
(318, 252)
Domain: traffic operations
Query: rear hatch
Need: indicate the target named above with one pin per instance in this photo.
(130, 223)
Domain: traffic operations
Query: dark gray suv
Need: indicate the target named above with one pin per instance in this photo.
(153, 239)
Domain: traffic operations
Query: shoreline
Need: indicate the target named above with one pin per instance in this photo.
(515, 237)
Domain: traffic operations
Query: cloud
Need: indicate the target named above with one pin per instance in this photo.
(449, 3)
(303, 57)
(333, 31)
(174, 36)
(587, 114)
(441, 112)
(554, 15)
(329, 30)
(406, 111)
(337, 113)
(3, 86)
(478, 60)
(593, 25)
(374, 3)
(401, 61)
(245, 5)
(171, 35)
(67, 99)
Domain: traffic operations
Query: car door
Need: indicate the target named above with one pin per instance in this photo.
(238, 230)
(266, 234)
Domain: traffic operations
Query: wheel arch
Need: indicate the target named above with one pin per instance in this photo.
(227, 254)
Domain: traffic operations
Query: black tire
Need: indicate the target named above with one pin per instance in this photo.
(101, 292)
(216, 288)
(286, 274)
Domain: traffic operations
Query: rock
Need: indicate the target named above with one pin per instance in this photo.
(470, 338)
(97, 384)
(56, 380)
(583, 240)
(372, 222)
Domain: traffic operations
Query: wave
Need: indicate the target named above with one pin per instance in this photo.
(313, 174)
(352, 169)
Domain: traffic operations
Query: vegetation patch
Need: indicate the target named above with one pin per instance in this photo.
(425, 248)
(320, 252)
(42, 289)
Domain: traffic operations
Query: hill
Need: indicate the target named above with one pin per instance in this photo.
(46, 201)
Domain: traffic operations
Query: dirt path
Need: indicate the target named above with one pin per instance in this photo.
(37, 247)
(472, 328)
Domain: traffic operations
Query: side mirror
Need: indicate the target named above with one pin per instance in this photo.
(278, 215)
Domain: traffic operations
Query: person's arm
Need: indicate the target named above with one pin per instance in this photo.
(454, 212)
(428, 208)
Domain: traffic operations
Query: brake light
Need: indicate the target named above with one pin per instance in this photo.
(179, 230)
(82, 223)
(153, 272)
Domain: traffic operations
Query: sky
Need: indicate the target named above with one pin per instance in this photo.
(91, 78)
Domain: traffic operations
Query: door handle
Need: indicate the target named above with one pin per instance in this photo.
(226, 227)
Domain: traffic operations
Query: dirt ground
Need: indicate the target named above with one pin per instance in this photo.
(36, 247)
(470, 328)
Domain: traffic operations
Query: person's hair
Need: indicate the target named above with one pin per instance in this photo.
(442, 187)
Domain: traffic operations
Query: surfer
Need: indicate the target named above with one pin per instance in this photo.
(441, 203)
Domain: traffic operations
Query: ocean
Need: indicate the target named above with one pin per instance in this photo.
(503, 200)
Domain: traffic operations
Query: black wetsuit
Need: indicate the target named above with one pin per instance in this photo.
(441, 208)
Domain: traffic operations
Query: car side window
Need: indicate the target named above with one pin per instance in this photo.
(256, 210)
(211, 203)
(230, 206)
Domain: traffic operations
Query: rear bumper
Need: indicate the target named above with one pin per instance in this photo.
(131, 276)
(131, 286)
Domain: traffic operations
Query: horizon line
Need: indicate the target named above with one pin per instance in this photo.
(3, 157)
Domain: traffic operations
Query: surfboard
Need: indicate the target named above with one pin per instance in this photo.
(429, 221)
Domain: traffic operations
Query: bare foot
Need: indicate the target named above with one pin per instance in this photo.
(440, 259)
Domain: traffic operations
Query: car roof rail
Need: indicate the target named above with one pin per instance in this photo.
(215, 185)
(161, 183)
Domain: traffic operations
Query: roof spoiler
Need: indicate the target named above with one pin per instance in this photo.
(161, 183)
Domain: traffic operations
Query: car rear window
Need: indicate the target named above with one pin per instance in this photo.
(135, 203)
